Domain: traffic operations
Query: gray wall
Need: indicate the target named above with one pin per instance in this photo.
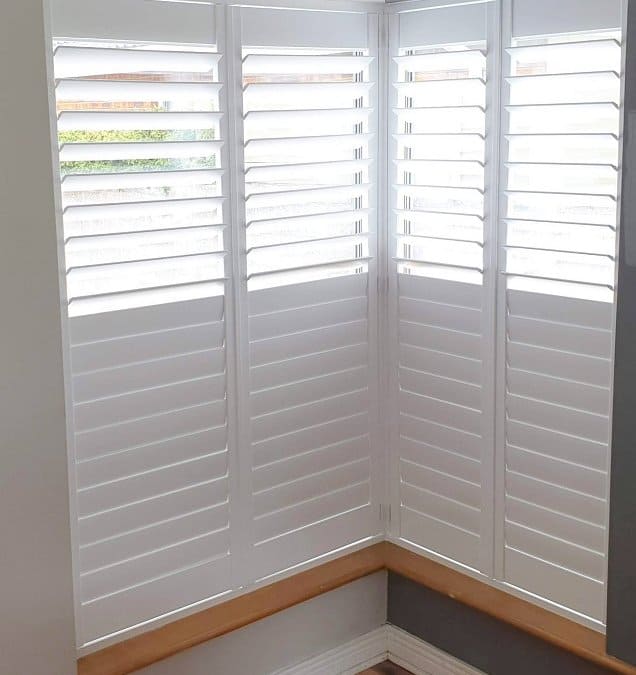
(621, 599)
(476, 638)
(36, 611)
(289, 637)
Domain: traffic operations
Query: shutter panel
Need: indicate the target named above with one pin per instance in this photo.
(309, 139)
(560, 211)
(144, 217)
(440, 155)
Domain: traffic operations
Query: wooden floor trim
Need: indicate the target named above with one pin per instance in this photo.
(143, 650)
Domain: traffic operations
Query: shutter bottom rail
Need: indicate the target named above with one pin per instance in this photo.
(157, 644)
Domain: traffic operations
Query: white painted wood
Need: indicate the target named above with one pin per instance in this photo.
(256, 383)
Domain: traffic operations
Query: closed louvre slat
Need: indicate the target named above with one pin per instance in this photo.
(575, 591)
(139, 515)
(441, 339)
(439, 482)
(145, 347)
(143, 458)
(270, 400)
(308, 342)
(441, 508)
(444, 388)
(432, 409)
(135, 571)
(445, 461)
(144, 212)
(310, 486)
(138, 542)
(552, 549)
(303, 464)
(555, 524)
(312, 511)
(295, 442)
(445, 365)
(172, 369)
(143, 486)
(570, 475)
(440, 435)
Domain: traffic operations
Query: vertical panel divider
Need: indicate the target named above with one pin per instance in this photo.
(505, 37)
(66, 328)
(392, 330)
(491, 457)
(229, 30)
(376, 272)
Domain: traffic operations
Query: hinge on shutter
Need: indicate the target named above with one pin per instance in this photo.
(385, 513)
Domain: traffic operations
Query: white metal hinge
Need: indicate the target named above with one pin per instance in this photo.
(385, 513)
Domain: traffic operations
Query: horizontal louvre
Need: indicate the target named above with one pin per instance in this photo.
(558, 260)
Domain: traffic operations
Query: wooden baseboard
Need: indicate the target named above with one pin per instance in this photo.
(143, 650)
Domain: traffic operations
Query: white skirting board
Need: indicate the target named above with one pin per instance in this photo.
(386, 642)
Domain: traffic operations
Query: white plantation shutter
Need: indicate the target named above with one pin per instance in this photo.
(309, 133)
(440, 153)
(562, 112)
(233, 312)
(142, 182)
